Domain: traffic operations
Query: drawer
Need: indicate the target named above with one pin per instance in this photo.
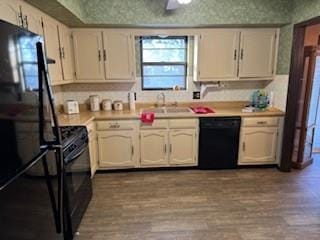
(260, 121)
(115, 125)
(183, 123)
(157, 124)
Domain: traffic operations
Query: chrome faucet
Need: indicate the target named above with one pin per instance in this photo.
(161, 97)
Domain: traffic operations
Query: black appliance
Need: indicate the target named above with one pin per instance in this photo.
(77, 175)
(219, 142)
(39, 173)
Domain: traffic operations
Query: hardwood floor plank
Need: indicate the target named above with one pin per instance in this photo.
(245, 204)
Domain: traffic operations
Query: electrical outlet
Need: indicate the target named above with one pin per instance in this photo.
(196, 95)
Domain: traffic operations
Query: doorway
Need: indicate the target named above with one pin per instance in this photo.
(302, 118)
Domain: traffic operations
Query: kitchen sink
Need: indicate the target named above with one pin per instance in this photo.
(179, 110)
(155, 110)
(170, 110)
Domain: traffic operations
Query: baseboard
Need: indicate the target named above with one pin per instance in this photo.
(300, 166)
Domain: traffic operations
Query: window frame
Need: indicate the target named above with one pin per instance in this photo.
(185, 63)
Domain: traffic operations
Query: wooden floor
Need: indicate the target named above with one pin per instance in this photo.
(199, 205)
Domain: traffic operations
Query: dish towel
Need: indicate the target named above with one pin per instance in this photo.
(202, 110)
(147, 117)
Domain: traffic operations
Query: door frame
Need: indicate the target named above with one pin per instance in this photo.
(296, 71)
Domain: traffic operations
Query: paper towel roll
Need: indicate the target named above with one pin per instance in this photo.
(132, 101)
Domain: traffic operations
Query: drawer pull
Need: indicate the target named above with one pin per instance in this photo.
(244, 146)
(114, 125)
(170, 148)
(165, 148)
(262, 122)
(132, 150)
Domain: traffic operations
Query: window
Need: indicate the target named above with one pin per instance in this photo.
(163, 62)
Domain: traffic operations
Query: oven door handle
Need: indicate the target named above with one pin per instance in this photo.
(67, 161)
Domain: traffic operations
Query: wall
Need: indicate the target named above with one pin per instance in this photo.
(280, 88)
(207, 12)
(146, 12)
(301, 10)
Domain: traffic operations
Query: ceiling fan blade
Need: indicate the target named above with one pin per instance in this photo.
(172, 5)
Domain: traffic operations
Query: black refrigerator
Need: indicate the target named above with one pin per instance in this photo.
(31, 172)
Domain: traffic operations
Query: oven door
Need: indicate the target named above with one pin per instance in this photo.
(78, 187)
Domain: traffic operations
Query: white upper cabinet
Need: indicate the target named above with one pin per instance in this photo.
(31, 18)
(118, 55)
(235, 54)
(88, 55)
(10, 12)
(51, 37)
(257, 53)
(218, 54)
(66, 52)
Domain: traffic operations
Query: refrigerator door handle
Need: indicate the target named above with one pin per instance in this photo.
(58, 207)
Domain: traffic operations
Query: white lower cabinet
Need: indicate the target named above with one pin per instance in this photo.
(175, 144)
(121, 144)
(259, 141)
(183, 147)
(154, 148)
(117, 149)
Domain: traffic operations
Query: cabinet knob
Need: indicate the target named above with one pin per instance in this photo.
(235, 55)
(26, 22)
(241, 54)
(99, 55)
(104, 55)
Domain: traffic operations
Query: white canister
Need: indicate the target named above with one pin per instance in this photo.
(106, 105)
(118, 105)
(94, 103)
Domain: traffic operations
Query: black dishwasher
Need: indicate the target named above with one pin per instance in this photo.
(219, 142)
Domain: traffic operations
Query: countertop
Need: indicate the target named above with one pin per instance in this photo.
(85, 117)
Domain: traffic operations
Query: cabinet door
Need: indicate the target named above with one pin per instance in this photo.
(258, 145)
(10, 12)
(182, 147)
(257, 53)
(51, 38)
(154, 148)
(118, 55)
(117, 149)
(66, 52)
(218, 55)
(31, 18)
(88, 55)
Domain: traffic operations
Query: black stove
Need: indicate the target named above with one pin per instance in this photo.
(69, 134)
(78, 189)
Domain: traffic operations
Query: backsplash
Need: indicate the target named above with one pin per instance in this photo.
(236, 91)
(232, 91)
(280, 88)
